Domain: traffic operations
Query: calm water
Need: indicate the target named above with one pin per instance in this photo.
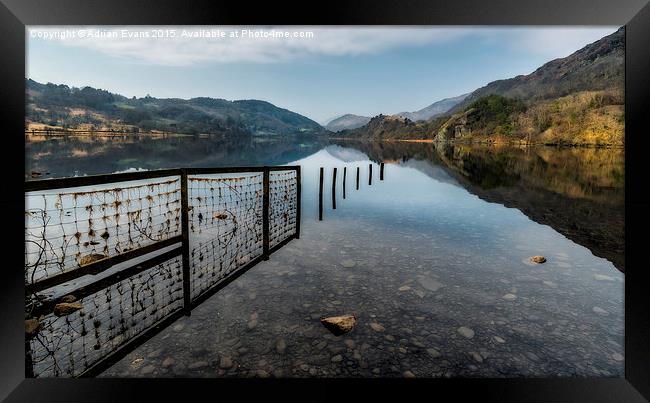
(441, 244)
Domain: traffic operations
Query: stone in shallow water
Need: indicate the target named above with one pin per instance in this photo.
(168, 362)
(433, 352)
(429, 284)
(617, 357)
(377, 327)
(499, 339)
(408, 374)
(31, 327)
(602, 277)
(225, 362)
(339, 325)
(465, 332)
(348, 263)
(404, 288)
(66, 308)
(198, 365)
(68, 298)
(280, 346)
(510, 297)
(538, 259)
(337, 358)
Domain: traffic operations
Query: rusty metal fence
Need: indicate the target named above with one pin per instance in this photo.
(110, 260)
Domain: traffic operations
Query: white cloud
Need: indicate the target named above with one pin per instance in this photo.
(119, 42)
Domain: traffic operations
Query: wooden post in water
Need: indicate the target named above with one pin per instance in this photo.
(334, 190)
(381, 172)
(185, 236)
(358, 178)
(370, 175)
(265, 214)
(320, 196)
(345, 175)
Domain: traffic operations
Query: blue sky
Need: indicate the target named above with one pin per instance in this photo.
(365, 71)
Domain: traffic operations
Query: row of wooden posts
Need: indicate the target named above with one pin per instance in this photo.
(345, 172)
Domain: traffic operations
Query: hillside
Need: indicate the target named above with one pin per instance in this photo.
(575, 100)
(348, 121)
(434, 110)
(62, 107)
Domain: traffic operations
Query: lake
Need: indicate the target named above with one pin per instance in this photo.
(433, 261)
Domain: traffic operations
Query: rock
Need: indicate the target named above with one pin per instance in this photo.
(197, 365)
(339, 325)
(349, 343)
(92, 258)
(376, 371)
(476, 356)
(280, 346)
(32, 326)
(337, 358)
(168, 362)
(602, 277)
(68, 298)
(313, 371)
(225, 362)
(617, 357)
(321, 345)
(408, 374)
(549, 283)
(465, 332)
(148, 370)
(262, 373)
(600, 311)
(66, 308)
(178, 327)
(429, 284)
(509, 297)
(404, 288)
(377, 327)
(389, 337)
(499, 339)
(433, 352)
(252, 324)
(538, 259)
(348, 263)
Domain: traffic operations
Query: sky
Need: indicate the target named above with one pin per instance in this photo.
(319, 72)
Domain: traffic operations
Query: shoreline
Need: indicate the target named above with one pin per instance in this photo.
(485, 143)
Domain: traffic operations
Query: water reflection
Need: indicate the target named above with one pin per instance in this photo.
(434, 263)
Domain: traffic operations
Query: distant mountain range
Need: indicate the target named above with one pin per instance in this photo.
(577, 99)
(434, 110)
(56, 107)
(348, 121)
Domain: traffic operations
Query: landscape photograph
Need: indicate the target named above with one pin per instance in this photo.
(324, 202)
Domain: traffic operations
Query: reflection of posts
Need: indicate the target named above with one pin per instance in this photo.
(320, 196)
(381, 172)
(265, 213)
(345, 175)
(334, 190)
(185, 236)
(358, 178)
(370, 175)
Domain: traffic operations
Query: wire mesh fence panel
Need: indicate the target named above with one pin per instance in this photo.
(71, 338)
(225, 221)
(69, 228)
(283, 201)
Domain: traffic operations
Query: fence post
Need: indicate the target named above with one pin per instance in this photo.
(345, 175)
(185, 234)
(369, 174)
(265, 214)
(381, 172)
(298, 201)
(334, 190)
(320, 196)
(357, 178)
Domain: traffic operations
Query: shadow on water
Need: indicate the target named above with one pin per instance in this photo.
(579, 192)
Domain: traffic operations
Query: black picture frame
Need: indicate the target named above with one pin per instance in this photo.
(634, 14)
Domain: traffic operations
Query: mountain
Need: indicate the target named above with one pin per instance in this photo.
(435, 109)
(597, 66)
(347, 121)
(51, 106)
(575, 100)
